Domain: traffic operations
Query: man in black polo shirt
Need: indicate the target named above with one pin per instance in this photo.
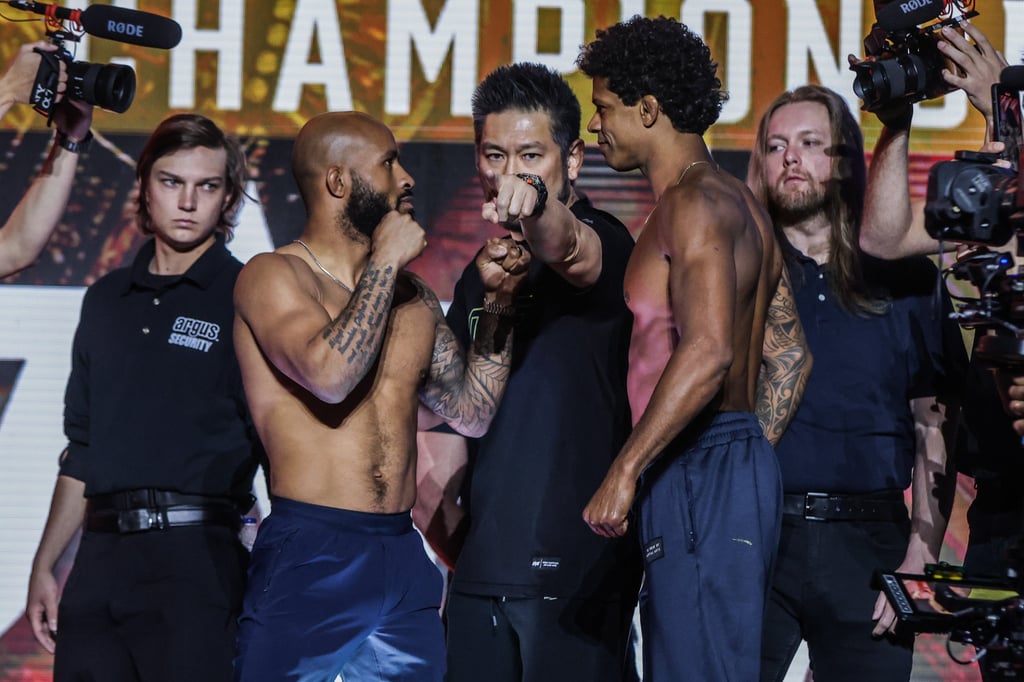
(535, 594)
(161, 449)
(887, 360)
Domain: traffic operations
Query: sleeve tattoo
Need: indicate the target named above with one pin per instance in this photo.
(786, 364)
(465, 391)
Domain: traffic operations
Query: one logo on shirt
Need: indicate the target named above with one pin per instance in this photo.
(195, 334)
(654, 550)
(544, 563)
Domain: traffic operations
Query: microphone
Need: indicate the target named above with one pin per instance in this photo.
(897, 15)
(1012, 77)
(114, 23)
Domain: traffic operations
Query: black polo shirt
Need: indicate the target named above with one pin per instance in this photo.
(560, 424)
(155, 396)
(854, 429)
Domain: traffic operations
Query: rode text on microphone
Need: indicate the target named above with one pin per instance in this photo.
(110, 86)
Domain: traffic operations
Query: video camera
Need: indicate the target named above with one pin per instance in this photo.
(110, 86)
(986, 613)
(902, 60)
(972, 201)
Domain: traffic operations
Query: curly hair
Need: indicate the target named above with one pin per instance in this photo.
(529, 87)
(188, 131)
(663, 58)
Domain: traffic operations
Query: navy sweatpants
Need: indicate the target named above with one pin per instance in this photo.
(710, 514)
(332, 592)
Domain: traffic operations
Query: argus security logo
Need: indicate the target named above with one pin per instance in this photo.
(195, 334)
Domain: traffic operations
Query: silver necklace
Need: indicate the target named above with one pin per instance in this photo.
(321, 266)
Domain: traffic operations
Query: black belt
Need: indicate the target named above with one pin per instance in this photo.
(829, 507)
(141, 510)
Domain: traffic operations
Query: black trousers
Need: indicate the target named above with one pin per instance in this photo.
(152, 607)
(821, 593)
(500, 639)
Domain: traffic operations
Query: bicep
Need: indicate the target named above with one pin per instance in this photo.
(702, 276)
(282, 316)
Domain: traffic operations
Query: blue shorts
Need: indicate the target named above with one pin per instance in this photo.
(332, 592)
(710, 513)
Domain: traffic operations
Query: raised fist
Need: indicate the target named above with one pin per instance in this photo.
(510, 199)
(503, 263)
(398, 239)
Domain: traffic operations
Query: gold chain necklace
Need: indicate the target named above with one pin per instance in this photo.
(687, 170)
(321, 266)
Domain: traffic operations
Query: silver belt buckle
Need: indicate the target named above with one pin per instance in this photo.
(137, 520)
(809, 506)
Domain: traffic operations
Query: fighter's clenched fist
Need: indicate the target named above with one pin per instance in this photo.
(503, 263)
(398, 238)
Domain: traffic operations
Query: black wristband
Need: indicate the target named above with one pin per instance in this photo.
(499, 309)
(70, 145)
(537, 183)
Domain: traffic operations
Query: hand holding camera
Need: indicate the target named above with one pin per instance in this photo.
(17, 80)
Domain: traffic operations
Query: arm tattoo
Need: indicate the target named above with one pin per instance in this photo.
(466, 390)
(358, 332)
(786, 364)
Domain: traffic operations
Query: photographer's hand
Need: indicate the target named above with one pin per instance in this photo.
(73, 118)
(980, 63)
(1015, 403)
(17, 80)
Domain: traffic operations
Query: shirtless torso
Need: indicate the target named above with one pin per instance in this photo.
(357, 454)
(700, 279)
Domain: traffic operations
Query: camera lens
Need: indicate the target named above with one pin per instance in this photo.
(879, 82)
(110, 86)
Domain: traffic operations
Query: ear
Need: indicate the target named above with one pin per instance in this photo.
(336, 182)
(649, 110)
(574, 160)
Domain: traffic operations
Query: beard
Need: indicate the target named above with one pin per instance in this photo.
(791, 207)
(367, 207)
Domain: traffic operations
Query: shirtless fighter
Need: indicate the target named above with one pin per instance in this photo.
(337, 346)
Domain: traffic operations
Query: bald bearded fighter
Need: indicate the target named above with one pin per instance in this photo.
(337, 346)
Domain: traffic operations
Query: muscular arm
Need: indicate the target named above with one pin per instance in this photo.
(328, 357)
(786, 364)
(702, 286)
(67, 509)
(931, 491)
(465, 391)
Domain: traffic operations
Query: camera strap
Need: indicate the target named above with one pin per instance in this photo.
(44, 90)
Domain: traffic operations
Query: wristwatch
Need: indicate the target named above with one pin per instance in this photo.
(70, 145)
(538, 184)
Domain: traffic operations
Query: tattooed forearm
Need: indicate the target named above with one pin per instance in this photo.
(466, 392)
(786, 365)
(358, 331)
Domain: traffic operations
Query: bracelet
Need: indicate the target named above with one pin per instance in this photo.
(499, 309)
(65, 142)
(537, 183)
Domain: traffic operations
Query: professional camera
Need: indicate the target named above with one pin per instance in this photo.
(110, 86)
(902, 61)
(974, 202)
(984, 613)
